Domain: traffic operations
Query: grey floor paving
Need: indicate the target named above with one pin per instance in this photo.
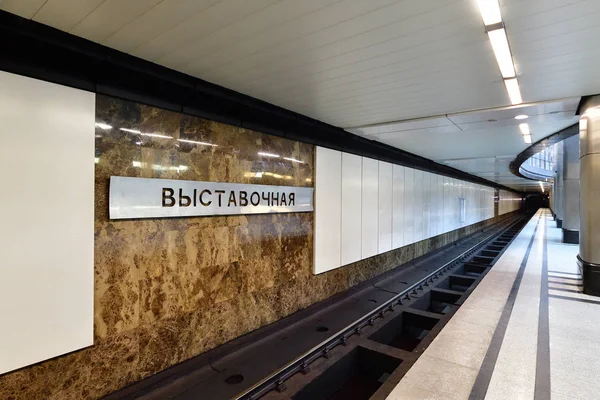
(450, 366)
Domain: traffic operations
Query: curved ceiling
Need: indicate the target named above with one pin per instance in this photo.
(359, 63)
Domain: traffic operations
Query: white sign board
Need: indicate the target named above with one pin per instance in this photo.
(163, 198)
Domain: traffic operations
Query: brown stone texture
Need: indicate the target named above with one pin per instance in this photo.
(169, 289)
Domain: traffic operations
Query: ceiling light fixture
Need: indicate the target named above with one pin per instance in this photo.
(196, 142)
(527, 139)
(522, 116)
(490, 11)
(512, 87)
(260, 153)
(502, 52)
(524, 129)
(492, 19)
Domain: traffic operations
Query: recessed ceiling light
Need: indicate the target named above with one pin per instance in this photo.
(502, 52)
(490, 11)
(522, 116)
(512, 87)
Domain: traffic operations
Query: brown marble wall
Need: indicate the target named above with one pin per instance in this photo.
(169, 289)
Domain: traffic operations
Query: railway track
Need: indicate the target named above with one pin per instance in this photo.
(439, 293)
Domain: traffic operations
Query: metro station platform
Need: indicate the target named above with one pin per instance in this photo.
(526, 332)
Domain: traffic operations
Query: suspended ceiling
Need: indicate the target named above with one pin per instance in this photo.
(356, 63)
(482, 143)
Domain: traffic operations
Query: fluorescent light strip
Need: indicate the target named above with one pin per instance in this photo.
(512, 87)
(502, 52)
(524, 129)
(522, 116)
(102, 125)
(527, 139)
(293, 160)
(195, 142)
(542, 186)
(490, 11)
(260, 153)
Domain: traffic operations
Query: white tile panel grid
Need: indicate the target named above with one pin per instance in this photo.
(462, 194)
(351, 208)
(440, 208)
(433, 204)
(446, 194)
(427, 205)
(47, 214)
(373, 207)
(328, 216)
(508, 202)
(418, 206)
(480, 216)
(370, 207)
(386, 190)
(454, 204)
(398, 207)
(471, 204)
(409, 205)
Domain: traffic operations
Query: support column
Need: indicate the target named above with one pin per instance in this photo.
(553, 194)
(589, 244)
(559, 183)
(570, 196)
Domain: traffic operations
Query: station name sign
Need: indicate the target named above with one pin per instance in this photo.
(132, 198)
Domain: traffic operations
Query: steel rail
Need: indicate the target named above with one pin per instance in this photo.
(276, 380)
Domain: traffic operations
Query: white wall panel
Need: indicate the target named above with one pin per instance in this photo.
(328, 203)
(426, 205)
(370, 207)
(435, 205)
(351, 208)
(409, 201)
(47, 219)
(447, 216)
(385, 206)
(398, 207)
(418, 205)
(365, 207)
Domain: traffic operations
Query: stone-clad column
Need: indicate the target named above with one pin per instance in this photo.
(589, 243)
(553, 194)
(570, 181)
(558, 181)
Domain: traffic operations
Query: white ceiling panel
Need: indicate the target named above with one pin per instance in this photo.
(26, 9)
(380, 27)
(482, 143)
(109, 17)
(165, 16)
(65, 14)
(199, 25)
(234, 42)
